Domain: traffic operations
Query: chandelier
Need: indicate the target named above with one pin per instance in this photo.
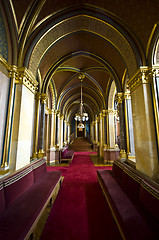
(81, 115)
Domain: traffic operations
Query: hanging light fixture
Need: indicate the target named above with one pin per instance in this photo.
(81, 115)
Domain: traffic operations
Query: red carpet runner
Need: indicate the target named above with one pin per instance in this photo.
(80, 211)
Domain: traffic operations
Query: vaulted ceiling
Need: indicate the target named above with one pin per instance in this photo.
(105, 40)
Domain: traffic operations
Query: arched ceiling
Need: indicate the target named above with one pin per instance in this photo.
(102, 39)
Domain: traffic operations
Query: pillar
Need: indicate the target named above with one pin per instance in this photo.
(42, 125)
(69, 132)
(6, 149)
(121, 107)
(143, 123)
(36, 125)
(22, 119)
(57, 128)
(101, 135)
(129, 127)
(65, 132)
(61, 130)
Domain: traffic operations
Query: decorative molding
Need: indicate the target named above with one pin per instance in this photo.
(119, 97)
(21, 75)
(24, 76)
(141, 77)
(82, 23)
(127, 96)
(43, 98)
(110, 111)
(17, 176)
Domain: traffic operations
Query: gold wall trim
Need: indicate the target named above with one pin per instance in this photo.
(141, 77)
(83, 23)
(24, 76)
(110, 111)
(120, 97)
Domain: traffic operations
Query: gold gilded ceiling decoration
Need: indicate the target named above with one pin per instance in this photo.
(83, 23)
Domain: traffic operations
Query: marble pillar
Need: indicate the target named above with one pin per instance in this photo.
(121, 109)
(144, 124)
(42, 125)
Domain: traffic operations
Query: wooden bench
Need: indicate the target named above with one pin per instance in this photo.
(134, 201)
(23, 198)
(66, 155)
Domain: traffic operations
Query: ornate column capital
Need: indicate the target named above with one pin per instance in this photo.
(110, 111)
(38, 96)
(119, 97)
(100, 115)
(43, 97)
(24, 76)
(127, 96)
(57, 112)
(142, 76)
(155, 70)
(61, 116)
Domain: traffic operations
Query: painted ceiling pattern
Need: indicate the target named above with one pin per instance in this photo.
(106, 40)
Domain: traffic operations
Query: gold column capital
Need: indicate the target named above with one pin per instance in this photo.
(142, 76)
(127, 96)
(97, 120)
(25, 77)
(119, 97)
(61, 116)
(100, 115)
(51, 111)
(110, 111)
(58, 112)
(43, 97)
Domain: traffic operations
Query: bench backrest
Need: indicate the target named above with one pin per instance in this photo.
(64, 151)
(2, 199)
(143, 189)
(39, 169)
(17, 184)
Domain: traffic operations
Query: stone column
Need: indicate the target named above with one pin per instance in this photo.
(111, 128)
(51, 152)
(101, 135)
(75, 129)
(110, 151)
(36, 125)
(104, 130)
(65, 132)
(123, 146)
(22, 119)
(54, 128)
(143, 123)
(91, 132)
(129, 127)
(69, 133)
(61, 130)
(42, 125)
(57, 128)
(6, 153)
(96, 130)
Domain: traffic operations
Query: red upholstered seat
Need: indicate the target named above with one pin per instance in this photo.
(2, 200)
(133, 200)
(18, 218)
(66, 155)
(23, 197)
(133, 225)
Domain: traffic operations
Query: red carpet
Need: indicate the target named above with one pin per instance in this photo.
(80, 211)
